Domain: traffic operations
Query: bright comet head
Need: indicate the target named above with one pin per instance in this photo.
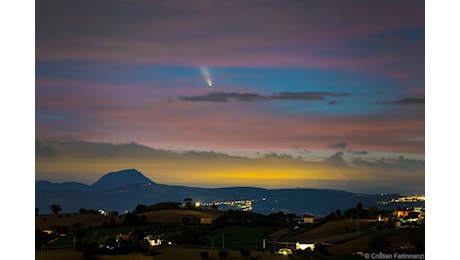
(206, 75)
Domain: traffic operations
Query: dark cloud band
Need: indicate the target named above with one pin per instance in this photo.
(250, 97)
(406, 101)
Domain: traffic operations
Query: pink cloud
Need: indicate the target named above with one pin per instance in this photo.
(228, 126)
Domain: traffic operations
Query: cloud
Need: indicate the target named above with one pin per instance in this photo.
(306, 95)
(97, 149)
(358, 152)
(407, 101)
(277, 156)
(88, 161)
(336, 160)
(400, 163)
(341, 146)
(207, 125)
(302, 150)
(224, 97)
(44, 149)
(217, 96)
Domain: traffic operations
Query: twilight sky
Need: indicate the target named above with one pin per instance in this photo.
(313, 94)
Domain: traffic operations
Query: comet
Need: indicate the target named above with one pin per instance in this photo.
(206, 75)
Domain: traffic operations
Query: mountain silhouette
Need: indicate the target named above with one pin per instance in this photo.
(119, 179)
(124, 190)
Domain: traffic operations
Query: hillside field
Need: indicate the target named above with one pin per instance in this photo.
(340, 238)
(86, 220)
(167, 253)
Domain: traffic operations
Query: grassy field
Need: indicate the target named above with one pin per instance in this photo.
(237, 237)
(58, 254)
(358, 244)
(344, 236)
(97, 232)
(336, 231)
(347, 239)
(176, 216)
(86, 220)
(167, 253)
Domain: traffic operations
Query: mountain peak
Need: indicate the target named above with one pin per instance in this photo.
(120, 178)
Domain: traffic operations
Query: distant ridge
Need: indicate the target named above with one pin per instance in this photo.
(124, 190)
(118, 179)
(46, 185)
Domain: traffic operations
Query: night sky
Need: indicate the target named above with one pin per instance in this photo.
(308, 94)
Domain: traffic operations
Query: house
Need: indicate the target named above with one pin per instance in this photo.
(47, 231)
(421, 213)
(307, 218)
(207, 221)
(188, 203)
(401, 213)
(153, 241)
(299, 246)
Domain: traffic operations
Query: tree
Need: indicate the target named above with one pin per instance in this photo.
(130, 219)
(55, 208)
(188, 203)
(338, 213)
(111, 242)
(113, 213)
(359, 209)
(140, 208)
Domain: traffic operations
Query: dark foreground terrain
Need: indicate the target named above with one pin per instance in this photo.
(195, 233)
